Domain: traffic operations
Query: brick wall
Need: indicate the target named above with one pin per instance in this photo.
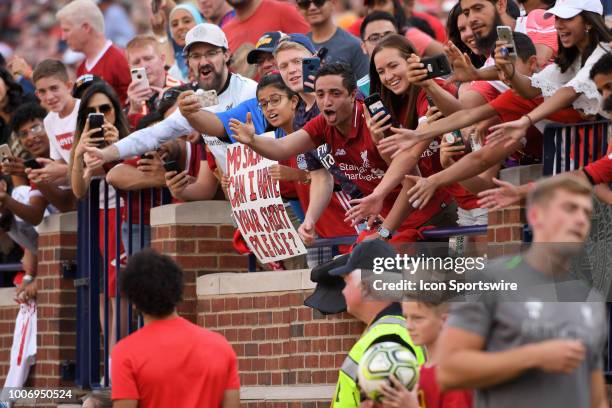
(505, 227)
(288, 356)
(198, 236)
(8, 314)
(56, 300)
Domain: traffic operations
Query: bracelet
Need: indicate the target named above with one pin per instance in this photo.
(529, 119)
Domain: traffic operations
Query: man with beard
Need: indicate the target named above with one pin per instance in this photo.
(207, 53)
(541, 344)
(483, 18)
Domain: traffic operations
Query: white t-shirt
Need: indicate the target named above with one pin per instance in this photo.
(239, 90)
(61, 132)
(550, 80)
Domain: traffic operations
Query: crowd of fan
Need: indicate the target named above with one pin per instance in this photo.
(341, 170)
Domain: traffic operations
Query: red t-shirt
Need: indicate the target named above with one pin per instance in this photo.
(430, 395)
(601, 170)
(363, 165)
(113, 68)
(435, 24)
(271, 15)
(135, 201)
(174, 363)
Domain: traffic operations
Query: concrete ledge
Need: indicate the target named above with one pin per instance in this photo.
(56, 223)
(193, 213)
(6, 297)
(288, 393)
(253, 282)
(521, 174)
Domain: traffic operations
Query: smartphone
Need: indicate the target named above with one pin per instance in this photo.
(436, 66)
(96, 120)
(375, 105)
(5, 152)
(310, 66)
(32, 164)
(207, 98)
(139, 76)
(455, 138)
(171, 165)
(504, 33)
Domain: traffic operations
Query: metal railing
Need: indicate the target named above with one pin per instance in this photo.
(93, 274)
(570, 147)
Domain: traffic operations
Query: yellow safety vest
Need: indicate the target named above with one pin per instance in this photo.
(347, 392)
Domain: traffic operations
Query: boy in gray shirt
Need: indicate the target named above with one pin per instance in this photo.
(541, 345)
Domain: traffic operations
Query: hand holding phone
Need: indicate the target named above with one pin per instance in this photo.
(375, 105)
(504, 33)
(96, 120)
(171, 165)
(32, 164)
(5, 153)
(310, 67)
(436, 66)
(139, 76)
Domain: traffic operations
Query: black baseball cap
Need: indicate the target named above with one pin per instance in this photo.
(266, 44)
(83, 82)
(327, 297)
(363, 255)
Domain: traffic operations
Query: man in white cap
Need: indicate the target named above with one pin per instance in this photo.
(207, 53)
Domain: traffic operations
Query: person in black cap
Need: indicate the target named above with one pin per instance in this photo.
(383, 318)
(263, 54)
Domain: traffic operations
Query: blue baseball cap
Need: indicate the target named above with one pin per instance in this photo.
(300, 39)
(267, 43)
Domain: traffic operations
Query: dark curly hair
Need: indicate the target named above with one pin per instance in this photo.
(153, 282)
(14, 92)
(341, 69)
(26, 113)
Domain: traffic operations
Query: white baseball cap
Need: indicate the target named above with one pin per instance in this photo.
(206, 33)
(571, 8)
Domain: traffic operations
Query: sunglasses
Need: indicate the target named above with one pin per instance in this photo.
(104, 108)
(304, 4)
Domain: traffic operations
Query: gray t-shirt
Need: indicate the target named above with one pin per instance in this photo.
(344, 47)
(507, 320)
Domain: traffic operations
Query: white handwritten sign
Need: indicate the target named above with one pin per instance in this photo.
(258, 208)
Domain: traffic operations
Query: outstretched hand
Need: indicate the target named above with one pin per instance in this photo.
(500, 197)
(243, 132)
(401, 140)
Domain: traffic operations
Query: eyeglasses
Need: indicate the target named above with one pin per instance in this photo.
(195, 56)
(304, 4)
(376, 37)
(273, 101)
(104, 108)
(33, 130)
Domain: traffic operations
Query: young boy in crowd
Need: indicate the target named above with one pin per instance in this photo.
(53, 88)
(424, 321)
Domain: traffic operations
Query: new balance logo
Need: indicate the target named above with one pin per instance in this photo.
(340, 152)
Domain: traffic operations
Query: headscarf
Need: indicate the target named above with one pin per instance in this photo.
(178, 50)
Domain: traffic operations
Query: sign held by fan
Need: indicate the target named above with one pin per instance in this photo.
(258, 208)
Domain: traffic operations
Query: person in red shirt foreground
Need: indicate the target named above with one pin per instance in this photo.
(170, 361)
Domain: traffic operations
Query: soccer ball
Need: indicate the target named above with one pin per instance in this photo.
(383, 360)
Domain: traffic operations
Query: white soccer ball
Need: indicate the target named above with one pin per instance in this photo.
(383, 360)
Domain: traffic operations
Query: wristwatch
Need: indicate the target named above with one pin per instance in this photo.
(384, 233)
(27, 279)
